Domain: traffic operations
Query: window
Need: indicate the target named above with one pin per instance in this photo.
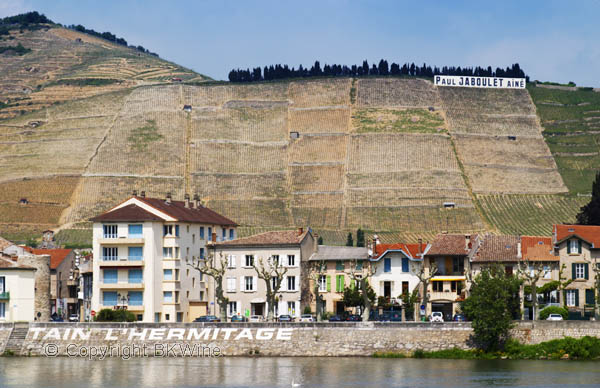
(193, 282)
(135, 276)
(574, 246)
(387, 264)
(249, 260)
(167, 230)
(202, 253)
(231, 309)
(177, 230)
(405, 264)
(176, 254)
(168, 296)
(508, 270)
(2, 284)
(579, 271)
(339, 283)
(109, 298)
(322, 283)
(231, 235)
(547, 272)
(224, 234)
(359, 265)
(456, 286)
(249, 283)
(110, 276)
(179, 317)
(176, 296)
(167, 274)
(230, 261)
(572, 296)
(187, 228)
(193, 238)
(168, 252)
(339, 265)
(110, 253)
(437, 286)
(134, 230)
(275, 260)
(167, 317)
(230, 284)
(209, 233)
(291, 261)
(291, 283)
(202, 233)
(136, 298)
(404, 288)
(458, 265)
(2, 310)
(156, 317)
(177, 274)
(109, 231)
(135, 253)
(291, 308)
(273, 282)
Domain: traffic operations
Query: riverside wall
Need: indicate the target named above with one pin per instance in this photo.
(264, 339)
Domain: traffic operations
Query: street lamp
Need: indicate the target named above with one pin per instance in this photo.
(124, 301)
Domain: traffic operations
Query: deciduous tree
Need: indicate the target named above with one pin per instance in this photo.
(214, 268)
(272, 273)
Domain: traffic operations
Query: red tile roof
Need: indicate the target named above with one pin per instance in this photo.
(411, 249)
(450, 245)
(56, 255)
(495, 248)
(282, 237)
(537, 248)
(127, 213)
(175, 209)
(589, 233)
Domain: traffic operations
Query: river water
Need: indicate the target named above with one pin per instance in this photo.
(282, 372)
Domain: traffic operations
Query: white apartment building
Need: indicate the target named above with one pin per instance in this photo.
(17, 291)
(140, 251)
(246, 291)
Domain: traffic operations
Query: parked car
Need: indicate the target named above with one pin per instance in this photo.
(335, 318)
(56, 318)
(354, 318)
(554, 317)
(286, 318)
(436, 316)
(207, 318)
(459, 318)
(306, 318)
(255, 318)
(74, 318)
(239, 318)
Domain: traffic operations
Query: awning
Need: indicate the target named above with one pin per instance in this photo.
(448, 278)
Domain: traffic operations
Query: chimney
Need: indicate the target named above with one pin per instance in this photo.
(300, 231)
(375, 242)
(135, 193)
(420, 240)
(187, 200)
(519, 253)
(197, 201)
(316, 242)
(213, 238)
(168, 199)
(468, 242)
(143, 194)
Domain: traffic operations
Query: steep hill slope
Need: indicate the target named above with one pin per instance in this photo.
(64, 65)
(394, 155)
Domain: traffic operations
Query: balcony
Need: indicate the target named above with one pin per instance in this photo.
(111, 239)
(121, 286)
(448, 295)
(4, 295)
(122, 261)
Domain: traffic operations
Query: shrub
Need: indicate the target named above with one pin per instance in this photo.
(108, 315)
(554, 310)
(307, 310)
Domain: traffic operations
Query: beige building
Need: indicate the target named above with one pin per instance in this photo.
(330, 269)
(140, 250)
(17, 291)
(578, 247)
(246, 291)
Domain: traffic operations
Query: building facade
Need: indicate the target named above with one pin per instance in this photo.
(17, 291)
(246, 291)
(140, 250)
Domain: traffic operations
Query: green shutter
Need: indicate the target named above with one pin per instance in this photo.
(589, 296)
(579, 244)
(573, 271)
(328, 283)
(587, 271)
(568, 246)
(576, 298)
(352, 284)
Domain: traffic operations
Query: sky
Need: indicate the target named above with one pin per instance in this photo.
(552, 40)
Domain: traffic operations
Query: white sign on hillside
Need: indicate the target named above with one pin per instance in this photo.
(479, 82)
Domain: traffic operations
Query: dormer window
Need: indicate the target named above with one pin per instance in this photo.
(574, 246)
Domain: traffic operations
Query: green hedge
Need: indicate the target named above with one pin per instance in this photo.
(554, 310)
(108, 315)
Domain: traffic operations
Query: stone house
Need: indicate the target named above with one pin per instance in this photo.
(246, 291)
(140, 249)
(330, 269)
(578, 247)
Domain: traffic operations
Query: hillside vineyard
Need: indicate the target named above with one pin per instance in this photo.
(396, 155)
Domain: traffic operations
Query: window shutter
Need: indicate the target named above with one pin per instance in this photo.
(328, 283)
(254, 283)
(576, 298)
(342, 283)
(579, 244)
(353, 284)
(233, 261)
(569, 247)
(587, 271)
(573, 276)
(405, 264)
(589, 296)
